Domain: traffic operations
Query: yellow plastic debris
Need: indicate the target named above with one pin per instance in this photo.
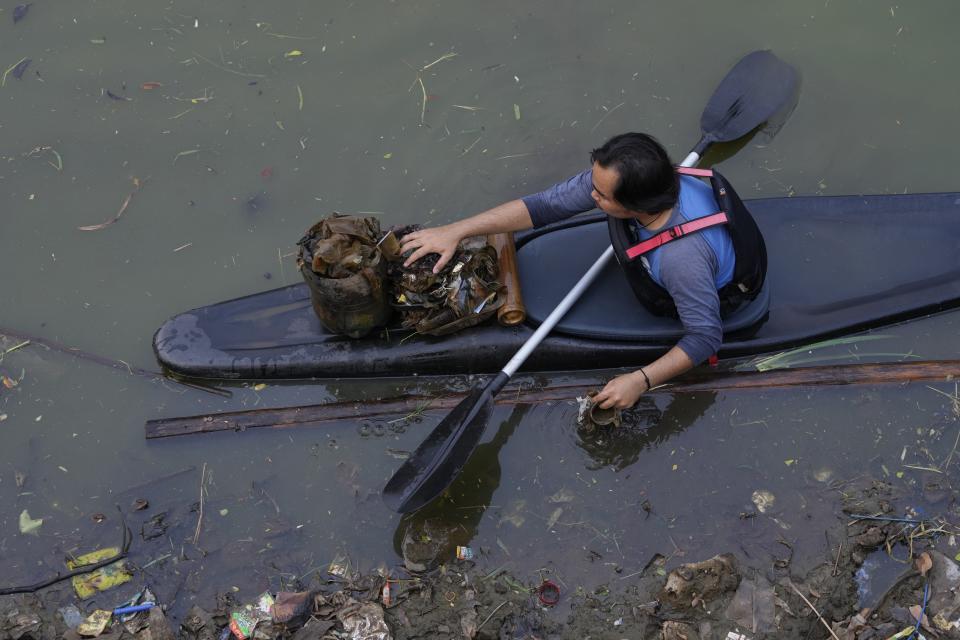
(112, 575)
(95, 624)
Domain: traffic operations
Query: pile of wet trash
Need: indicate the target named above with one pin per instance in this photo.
(444, 589)
(358, 281)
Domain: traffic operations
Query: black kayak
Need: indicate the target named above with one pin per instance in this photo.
(837, 265)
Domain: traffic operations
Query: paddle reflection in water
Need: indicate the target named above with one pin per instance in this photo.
(645, 426)
(431, 534)
(453, 518)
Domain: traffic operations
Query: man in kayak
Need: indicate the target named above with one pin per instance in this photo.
(633, 179)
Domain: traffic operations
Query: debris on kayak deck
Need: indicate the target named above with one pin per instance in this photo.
(342, 264)
(357, 279)
(464, 293)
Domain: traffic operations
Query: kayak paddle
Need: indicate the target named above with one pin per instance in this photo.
(758, 87)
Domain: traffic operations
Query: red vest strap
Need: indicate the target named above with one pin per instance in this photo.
(673, 233)
(690, 171)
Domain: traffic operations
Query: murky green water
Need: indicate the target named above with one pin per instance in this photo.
(266, 116)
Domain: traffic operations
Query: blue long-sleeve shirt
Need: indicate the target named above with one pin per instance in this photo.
(688, 266)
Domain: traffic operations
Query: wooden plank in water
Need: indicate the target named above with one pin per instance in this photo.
(853, 374)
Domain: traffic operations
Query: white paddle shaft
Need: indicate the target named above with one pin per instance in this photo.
(568, 300)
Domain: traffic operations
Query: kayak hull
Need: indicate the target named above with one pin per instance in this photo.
(838, 265)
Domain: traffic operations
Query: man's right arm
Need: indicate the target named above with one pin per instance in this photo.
(507, 217)
(558, 202)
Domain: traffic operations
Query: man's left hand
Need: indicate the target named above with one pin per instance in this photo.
(622, 392)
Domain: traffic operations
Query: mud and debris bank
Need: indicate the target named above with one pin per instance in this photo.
(435, 595)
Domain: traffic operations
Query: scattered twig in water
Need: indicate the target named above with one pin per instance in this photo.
(3, 81)
(263, 26)
(188, 152)
(156, 560)
(445, 56)
(196, 534)
(228, 69)
(14, 348)
(36, 151)
(487, 619)
(123, 207)
(472, 145)
(605, 116)
(814, 609)
(423, 89)
(836, 564)
(423, 107)
(416, 413)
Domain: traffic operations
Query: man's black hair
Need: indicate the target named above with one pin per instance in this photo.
(648, 182)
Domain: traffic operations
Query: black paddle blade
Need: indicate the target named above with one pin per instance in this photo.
(438, 460)
(756, 89)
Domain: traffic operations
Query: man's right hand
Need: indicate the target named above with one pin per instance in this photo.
(441, 240)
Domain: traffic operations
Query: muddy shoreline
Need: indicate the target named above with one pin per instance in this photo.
(433, 594)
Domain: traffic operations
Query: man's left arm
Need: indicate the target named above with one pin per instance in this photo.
(687, 271)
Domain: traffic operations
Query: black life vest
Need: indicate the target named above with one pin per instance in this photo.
(748, 247)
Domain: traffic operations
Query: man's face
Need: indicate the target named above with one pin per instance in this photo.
(605, 181)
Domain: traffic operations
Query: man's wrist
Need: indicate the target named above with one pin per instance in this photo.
(644, 379)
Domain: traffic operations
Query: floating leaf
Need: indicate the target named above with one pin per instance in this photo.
(149, 86)
(98, 41)
(28, 525)
(8, 382)
(516, 111)
(20, 12)
(924, 563)
(789, 461)
(554, 517)
(260, 386)
(296, 53)
(387, 156)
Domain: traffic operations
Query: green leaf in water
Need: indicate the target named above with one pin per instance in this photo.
(787, 359)
(28, 525)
